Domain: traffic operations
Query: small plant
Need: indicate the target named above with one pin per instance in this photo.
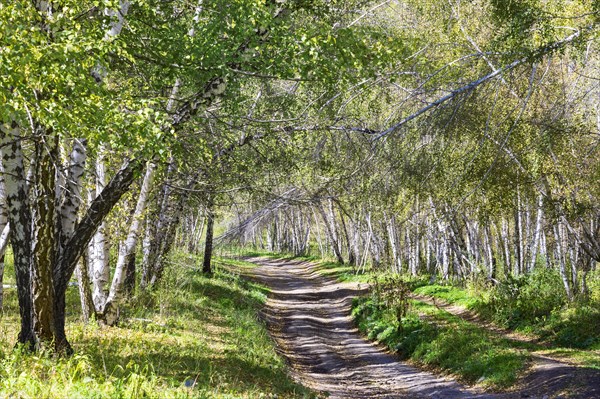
(392, 293)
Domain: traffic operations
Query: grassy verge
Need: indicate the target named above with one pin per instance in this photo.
(434, 338)
(194, 338)
(570, 332)
(449, 294)
(344, 273)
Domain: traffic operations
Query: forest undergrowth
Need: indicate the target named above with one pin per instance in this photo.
(195, 337)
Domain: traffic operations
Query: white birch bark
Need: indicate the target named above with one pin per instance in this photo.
(318, 233)
(537, 233)
(489, 252)
(561, 259)
(429, 246)
(527, 239)
(99, 249)
(5, 228)
(19, 216)
(117, 24)
(391, 230)
(71, 202)
(416, 250)
(73, 188)
(518, 264)
(127, 250)
(506, 245)
(331, 230)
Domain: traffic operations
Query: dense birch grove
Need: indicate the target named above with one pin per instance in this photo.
(449, 139)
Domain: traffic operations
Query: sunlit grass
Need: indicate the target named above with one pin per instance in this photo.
(434, 338)
(196, 337)
(586, 358)
(448, 293)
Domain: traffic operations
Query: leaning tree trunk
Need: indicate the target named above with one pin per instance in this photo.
(157, 230)
(331, 231)
(351, 255)
(74, 247)
(71, 200)
(109, 314)
(166, 238)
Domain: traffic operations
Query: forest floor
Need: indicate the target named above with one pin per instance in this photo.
(308, 315)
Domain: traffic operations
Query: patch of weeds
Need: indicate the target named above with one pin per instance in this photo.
(533, 304)
(574, 327)
(524, 300)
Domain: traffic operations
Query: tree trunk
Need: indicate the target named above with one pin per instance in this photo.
(77, 244)
(391, 229)
(537, 234)
(19, 215)
(99, 250)
(208, 242)
(167, 237)
(518, 264)
(44, 241)
(505, 242)
(4, 237)
(129, 283)
(331, 232)
(70, 194)
(351, 255)
(561, 259)
(5, 231)
(127, 251)
(85, 293)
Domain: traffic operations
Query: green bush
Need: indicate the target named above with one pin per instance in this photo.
(524, 301)
(576, 327)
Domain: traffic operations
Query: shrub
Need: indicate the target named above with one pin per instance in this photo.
(577, 327)
(524, 300)
(391, 293)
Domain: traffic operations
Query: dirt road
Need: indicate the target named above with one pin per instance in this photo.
(308, 315)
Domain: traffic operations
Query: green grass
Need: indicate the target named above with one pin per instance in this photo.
(434, 338)
(531, 305)
(540, 313)
(448, 293)
(345, 273)
(196, 337)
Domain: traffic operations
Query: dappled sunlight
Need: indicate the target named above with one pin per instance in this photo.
(309, 316)
(202, 340)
